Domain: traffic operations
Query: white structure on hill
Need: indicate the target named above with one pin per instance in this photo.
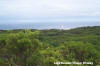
(61, 27)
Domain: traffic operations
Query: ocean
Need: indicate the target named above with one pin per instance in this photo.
(46, 25)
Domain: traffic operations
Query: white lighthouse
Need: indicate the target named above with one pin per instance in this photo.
(61, 27)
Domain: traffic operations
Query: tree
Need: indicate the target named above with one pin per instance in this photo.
(80, 51)
(22, 45)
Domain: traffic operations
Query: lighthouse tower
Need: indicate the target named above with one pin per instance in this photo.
(62, 27)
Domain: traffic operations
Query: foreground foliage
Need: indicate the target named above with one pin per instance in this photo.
(43, 48)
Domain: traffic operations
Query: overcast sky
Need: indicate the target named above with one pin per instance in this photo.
(19, 11)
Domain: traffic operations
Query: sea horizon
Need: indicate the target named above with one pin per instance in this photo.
(47, 25)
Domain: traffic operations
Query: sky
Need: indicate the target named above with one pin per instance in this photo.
(25, 11)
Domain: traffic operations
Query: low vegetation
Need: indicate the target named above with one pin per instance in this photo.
(44, 47)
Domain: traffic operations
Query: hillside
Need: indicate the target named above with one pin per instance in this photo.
(86, 34)
(27, 47)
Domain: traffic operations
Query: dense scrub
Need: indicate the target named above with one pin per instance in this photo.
(44, 47)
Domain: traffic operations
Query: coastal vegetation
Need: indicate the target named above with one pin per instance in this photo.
(44, 47)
